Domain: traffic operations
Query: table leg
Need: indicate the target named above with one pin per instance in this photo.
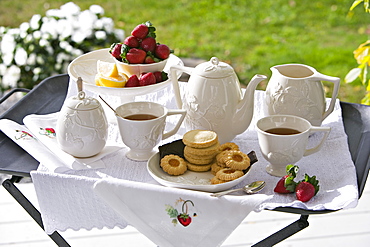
(284, 233)
(31, 210)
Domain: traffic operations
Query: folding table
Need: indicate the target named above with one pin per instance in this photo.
(49, 95)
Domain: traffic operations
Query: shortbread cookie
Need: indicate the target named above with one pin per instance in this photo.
(228, 146)
(173, 165)
(229, 174)
(197, 156)
(212, 150)
(198, 160)
(200, 138)
(198, 168)
(237, 160)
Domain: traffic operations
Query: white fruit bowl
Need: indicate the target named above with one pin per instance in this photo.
(85, 67)
(137, 69)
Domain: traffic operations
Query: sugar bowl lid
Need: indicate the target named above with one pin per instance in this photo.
(214, 69)
(81, 102)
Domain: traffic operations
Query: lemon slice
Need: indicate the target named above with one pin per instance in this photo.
(108, 75)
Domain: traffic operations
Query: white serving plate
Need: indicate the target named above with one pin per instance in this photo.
(84, 66)
(189, 180)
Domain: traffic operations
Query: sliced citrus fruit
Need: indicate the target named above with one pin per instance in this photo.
(107, 69)
(108, 75)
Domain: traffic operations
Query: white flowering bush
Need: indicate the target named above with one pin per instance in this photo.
(45, 45)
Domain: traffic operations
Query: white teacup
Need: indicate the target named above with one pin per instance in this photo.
(142, 125)
(283, 140)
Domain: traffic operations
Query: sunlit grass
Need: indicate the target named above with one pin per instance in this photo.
(250, 35)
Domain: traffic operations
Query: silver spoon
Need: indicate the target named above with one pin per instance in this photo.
(251, 188)
(115, 112)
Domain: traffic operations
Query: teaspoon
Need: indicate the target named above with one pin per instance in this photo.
(251, 188)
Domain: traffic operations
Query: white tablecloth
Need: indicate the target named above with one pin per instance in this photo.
(67, 200)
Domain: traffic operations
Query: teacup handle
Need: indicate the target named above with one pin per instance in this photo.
(318, 147)
(176, 128)
(334, 95)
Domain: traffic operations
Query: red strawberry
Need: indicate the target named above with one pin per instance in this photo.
(140, 31)
(162, 51)
(160, 76)
(286, 184)
(307, 188)
(148, 44)
(133, 81)
(135, 56)
(131, 41)
(115, 50)
(149, 59)
(147, 79)
(184, 219)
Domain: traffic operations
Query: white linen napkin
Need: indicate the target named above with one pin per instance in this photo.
(156, 212)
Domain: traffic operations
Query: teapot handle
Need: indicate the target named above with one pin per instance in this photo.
(175, 81)
(336, 82)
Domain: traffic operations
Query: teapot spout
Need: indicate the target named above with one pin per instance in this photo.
(244, 112)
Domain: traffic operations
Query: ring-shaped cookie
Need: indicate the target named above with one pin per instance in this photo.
(227, 146)
(198, 168)
(173, 165)
(215, 180)
(237, 160)
(221, 158)
(215, 168)
(229, 174)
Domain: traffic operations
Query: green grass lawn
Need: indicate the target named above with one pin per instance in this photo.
(250, 35)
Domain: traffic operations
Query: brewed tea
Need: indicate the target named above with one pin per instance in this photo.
(282, 131)
(140, 117)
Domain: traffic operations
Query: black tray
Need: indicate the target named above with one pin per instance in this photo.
(47, 97)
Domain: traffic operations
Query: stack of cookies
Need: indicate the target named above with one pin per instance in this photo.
(203, 152)
(230, 163)
(201, 148)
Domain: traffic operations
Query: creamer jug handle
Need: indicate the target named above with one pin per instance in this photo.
(175, 81)
(336, 82)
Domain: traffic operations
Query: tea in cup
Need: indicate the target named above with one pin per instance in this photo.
(142, 125)
(283, 140)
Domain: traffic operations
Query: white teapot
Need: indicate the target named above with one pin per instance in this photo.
(296, 89)
(213, 99)
(82, 127)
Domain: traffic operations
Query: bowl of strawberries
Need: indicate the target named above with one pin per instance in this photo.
(140, 52)
(137, 66)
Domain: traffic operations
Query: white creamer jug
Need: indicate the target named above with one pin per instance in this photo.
(296, 89)
(82, 126)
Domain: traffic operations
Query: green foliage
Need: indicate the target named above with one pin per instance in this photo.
(250, 35)
(362, 55)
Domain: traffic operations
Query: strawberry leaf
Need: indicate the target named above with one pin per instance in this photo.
(151, 28)
(289, 183)
(312, 180)
(292, 170)
(124, 50)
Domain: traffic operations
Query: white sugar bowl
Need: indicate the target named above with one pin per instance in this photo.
(82, 127)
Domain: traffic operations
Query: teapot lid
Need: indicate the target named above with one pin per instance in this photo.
(80, 102)
(214, 69)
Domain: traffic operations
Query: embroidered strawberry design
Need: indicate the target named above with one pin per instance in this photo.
(184, 217)
(24, 134)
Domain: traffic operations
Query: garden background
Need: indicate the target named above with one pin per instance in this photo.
(250, 35)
